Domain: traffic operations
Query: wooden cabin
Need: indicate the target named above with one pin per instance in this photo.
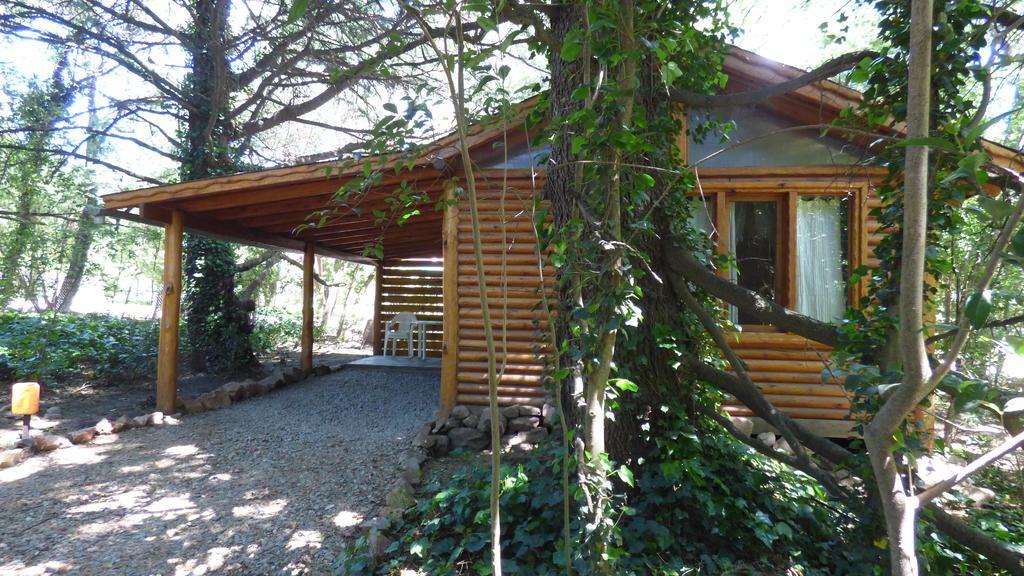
(793, 205)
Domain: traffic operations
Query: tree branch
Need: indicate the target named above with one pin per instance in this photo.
(967, 471)
(682, 265)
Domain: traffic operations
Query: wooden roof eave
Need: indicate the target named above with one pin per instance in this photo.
(157, 216)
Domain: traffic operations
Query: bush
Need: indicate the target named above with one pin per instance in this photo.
(275, 328)
(55, 347)
(702, 504)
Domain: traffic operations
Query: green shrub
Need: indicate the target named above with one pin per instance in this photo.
(55, 347)
(703, 504)
(275, 328)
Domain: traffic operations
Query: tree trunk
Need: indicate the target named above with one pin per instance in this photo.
(217, 326)
(899, 507)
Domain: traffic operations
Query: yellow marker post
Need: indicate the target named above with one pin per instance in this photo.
(25, 401)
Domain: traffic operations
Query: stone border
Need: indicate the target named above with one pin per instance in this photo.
(221, 397)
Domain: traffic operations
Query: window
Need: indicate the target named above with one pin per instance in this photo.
(753, 228)
(820, 258)
(789, 247)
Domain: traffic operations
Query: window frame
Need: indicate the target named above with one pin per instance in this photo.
(722, 187)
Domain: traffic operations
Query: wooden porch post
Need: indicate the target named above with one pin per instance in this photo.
(450, 324)
(170, 311)
(307, 308)
(378, 286)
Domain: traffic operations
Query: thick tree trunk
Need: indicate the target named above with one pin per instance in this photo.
(218, 328)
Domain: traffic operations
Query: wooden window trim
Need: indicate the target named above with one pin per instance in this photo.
(725, 186)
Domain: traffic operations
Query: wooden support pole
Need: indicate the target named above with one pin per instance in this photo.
(309, 256)
(450, 319)
(378, 334)
(170, 313)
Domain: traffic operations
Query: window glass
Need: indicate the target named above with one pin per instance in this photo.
(702, 212)
(820, 257)
(754, 239)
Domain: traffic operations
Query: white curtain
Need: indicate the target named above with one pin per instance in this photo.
(821, 292)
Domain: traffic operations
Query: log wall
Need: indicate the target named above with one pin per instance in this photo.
(513, 284)
(412, 286)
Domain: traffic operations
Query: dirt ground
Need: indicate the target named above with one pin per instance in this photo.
(83, 404)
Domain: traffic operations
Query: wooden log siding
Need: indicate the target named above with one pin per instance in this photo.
(412, 286)
(513, 284)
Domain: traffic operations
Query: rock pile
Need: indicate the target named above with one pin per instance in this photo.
(469, 428)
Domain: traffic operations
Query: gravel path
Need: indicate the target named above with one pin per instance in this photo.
(271, 485)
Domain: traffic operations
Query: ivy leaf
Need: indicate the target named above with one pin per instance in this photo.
(978, 307)
(571, 46)
(297, 10)
(1017, 243)
(626, 475)
(998, 209)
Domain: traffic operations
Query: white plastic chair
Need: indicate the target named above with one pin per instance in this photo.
(401, 326)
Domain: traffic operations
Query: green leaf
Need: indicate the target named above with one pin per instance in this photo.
(571, 46)
(391, 107)
(998, 209)
(297, 10)
(978, 307)
(931, 142)
(1017, 243)
(625, 474)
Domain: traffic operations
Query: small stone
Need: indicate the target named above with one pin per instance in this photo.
(980, 496)
(411, 470)
(235, 390)
(294, 375)
(400, 496)
(485, 423)
(191, 405)
(49, 443)
(468, 438)
(782, 446)
(522, 448)
(530, 410)
(12, 457)
(171, 421)
(523, 423)
(549, 414)
(104, 427)
(375, 523)
(272, 381)
(767, 438)
(258, 388)
(122, 423)
(471, 421)
(392, 514)
(321, 370)
(82, 436)
(53, 413)
(215, 400)
(420, 441)
(477, 409)
(461, 412)
(377, 543)
(438, 444)
(510, 412)
(535, 436)
(142, 421)
(157, 418)
(744, 425)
